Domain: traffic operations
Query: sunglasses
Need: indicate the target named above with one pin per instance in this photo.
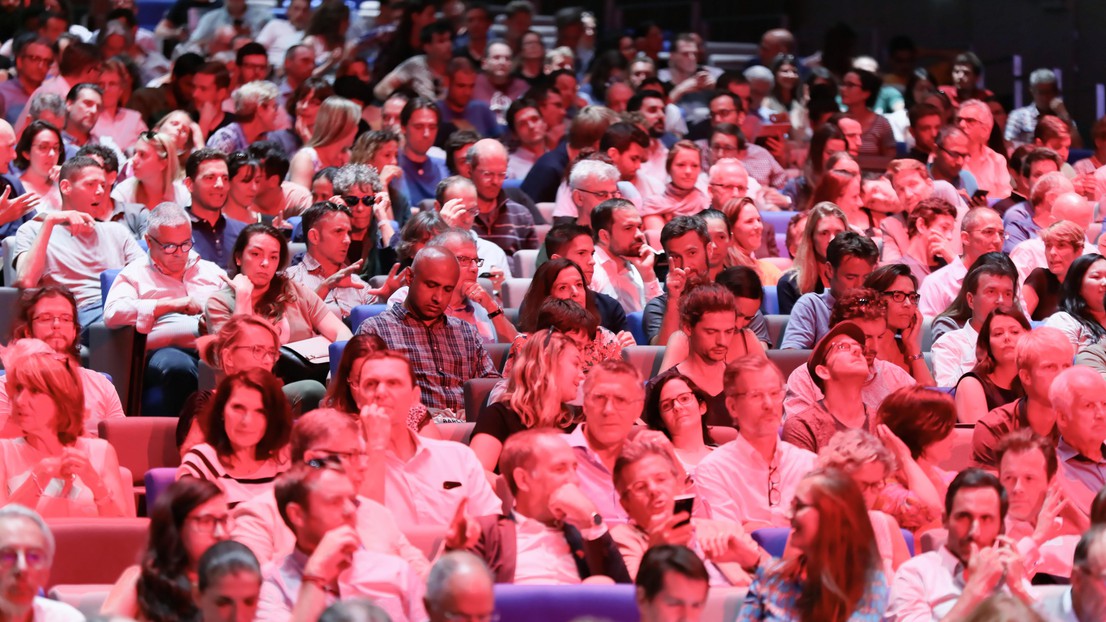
(352, 201)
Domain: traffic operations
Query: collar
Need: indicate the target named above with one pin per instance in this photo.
(1067, 453)
(404, 315)
(742, 446)
(951, 564)
(828, 298)
(220, 223)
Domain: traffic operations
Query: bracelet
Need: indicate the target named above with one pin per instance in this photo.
(494, 314)
(914, 357)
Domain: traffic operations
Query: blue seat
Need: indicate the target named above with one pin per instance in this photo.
(297, 228)
(909, 537)
(157, 480)
(781, 245)
(770, 304)
(544, 603)
(511, 183)
(107, 277)
(636, 327)
(361, 313)
(778, 220)
(1075, 155)
(336, 350)
(772, 539)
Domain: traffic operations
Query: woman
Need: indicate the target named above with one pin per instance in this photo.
(677, 407)
(322, 184)
(994, 379)
(544, 378)
(859, 92)
(826, 141)
(1064, 242)
(246, 427)
(373, 227)
(746, 229)
(50, 315)
(155, 172)
(228, 586)
(807, 273)
(188, 518)
(787, 94)
(39, 155)
(842, 188)
(331, 140)
(681, 196)
(116, 120)
(380, 150)
(861, 456)
(1082, 317)
(837, 575)
(901, 343)
(916, 424)
(50, 467)
(302, 107)
(184, 134)
(245, 184)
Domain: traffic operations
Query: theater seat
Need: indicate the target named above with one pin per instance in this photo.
(778, 220)
(514, 290)
(646, 359)
(788, 360)
(336, 349)
(772, 539)
(7, 247)
(361, 313)
(770, 304)
(777, 324)
(544, 603)
(9, 302)
(498, 353)
(960, 457)
(476, 394)
(525, 263)
(119, 543)
(157, 480)
(142, 443)
(635, 323)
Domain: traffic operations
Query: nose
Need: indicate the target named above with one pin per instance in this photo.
(21, 561)
(219, 182)
(1001, 300)
(221, 530)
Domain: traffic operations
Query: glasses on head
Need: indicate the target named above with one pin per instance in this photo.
(467, 261)
(32, 557)
(901, 296)
(261, 353)
(50, 320)
(683, 399)
(206, 523)
(774, 494)
(172, 249)
(603, 195)
(352, 201)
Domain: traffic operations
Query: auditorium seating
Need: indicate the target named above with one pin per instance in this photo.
(157, 480)
(142, 443)
(118, 544)
(476, 395)
(646, 359)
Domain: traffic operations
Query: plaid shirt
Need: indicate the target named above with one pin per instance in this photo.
(444, 354)
(510, 226)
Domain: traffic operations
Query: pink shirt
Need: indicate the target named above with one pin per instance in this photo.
(990, 173)
(596, 480)
(802, 393)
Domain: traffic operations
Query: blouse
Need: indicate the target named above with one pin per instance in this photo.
(774, 596)
(675, 202)
(60, 499)
(1076, 332)
(202, 462)
(303, 312)
(996, 395)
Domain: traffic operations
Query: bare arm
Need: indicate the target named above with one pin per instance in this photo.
(32, 264)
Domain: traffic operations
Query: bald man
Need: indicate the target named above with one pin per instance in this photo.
(500, 220)
(459, 587)
(1070, 206)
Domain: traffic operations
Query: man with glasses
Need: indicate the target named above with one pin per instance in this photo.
(1026, 220)
(164, 298)
(1079, 396)
(460, 589)
(26, 555)
(752, 479)
(974, 118)
(1085, 600)
(623, 261)
(456, 203)
(79, 62)
(728, 141)
(34, 56)
(981, 232)
(500, 220)
(948, 162)
(591, 181)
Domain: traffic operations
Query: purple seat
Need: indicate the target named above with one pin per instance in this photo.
(157, 480)
(562, 603)
(772, 539)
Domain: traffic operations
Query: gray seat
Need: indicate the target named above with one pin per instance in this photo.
(646, 359)
(788, 360)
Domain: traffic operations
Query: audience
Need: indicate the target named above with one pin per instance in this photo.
(27, 538)
(671, 582)
(228, 582)
(459, 586)
(1079, 397)
(1082, 315)
(993, 382)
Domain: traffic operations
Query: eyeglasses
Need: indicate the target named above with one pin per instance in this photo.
(723, 149)
(207, 523)
(774, 494)
(757, 396)
(900, 296)
(32, 557)
(39, 60)
(970, 121)
(618, 401)
(603, 195)
(874, 487)
(261, 353)
(50, 320)
(852, 85)
(731, 188)
(683, 399)
(171, 249)
(45, 147)
(466, 261)
(490, 176)
(846, 346)
(956, 155)
(352, 201)
(990, 232)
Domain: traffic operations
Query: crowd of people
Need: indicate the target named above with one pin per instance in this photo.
(262, 185)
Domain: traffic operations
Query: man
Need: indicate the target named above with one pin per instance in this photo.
(554, 534)
(210, 86)
(931, 243)
(460, 587)
(966, 70)
(28, 540)
(624, 262)
(324, 269)
(420, 120)
(851, 258)
(671, 585)
(650, 104)
(947, 163)
(79, 62)
(82, 109)
(237, 14)
(16, 205)
(728, 141)
(925, 123)
(425, 480)
(500, 219)
(71, 247)
(548, 172)
(255, 113)
(329, 563)
(163, 298)
(839, 367)
(1044, 527)
(275, 195)
(981, 232)
(252, 61)
(329, 437)
(1044, 86)
(299, 65)
(974, 118)
(752, 479)
(1025, 220)
(496, 85)
(153, 103)
(1040, 355)
(474, 43)
(1079, 396)
(912, 184)
(33, 58)
(525, 123)
(456, 202)
(1070, 207)
(278, 35)
(685, 240)
(1052, 133)
(591, 181)
(627, 145)
(426, 74)
(208, 180)
(391, 110)
(691, 83)
(975, 562)
(1083, 601)
(459, 107)
(444, 351)
(954, 352)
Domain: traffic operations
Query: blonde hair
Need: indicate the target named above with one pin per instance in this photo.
(337, 116)
(34, 365)
(849, 450)
(806, 260)
(532, 390)
(167, 152)
(1063, 232)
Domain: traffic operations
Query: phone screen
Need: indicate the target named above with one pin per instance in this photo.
(683, 504)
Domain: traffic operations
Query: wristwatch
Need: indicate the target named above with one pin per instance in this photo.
(914, 357)
(596, 519)
(494, 314)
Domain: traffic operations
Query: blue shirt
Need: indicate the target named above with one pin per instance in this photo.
(422, 177)
(477, 113)
(773, 597)
(1019, 225)
(215, 244)
(809, 321)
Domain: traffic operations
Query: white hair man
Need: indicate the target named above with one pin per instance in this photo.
(256, 108)
(1045, 88)
(27, 553)
(1078, 395)
(988, 167)
(459, 588)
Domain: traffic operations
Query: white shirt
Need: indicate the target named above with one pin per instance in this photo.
(47, 610)
(543, 556)
(1057, 607)
(885, 379)
(1054, 557)
(493, 256)
(954, 355)
(426, 489)
(596, 482)
(1072, 328)
(940, 288)
(734, 479)
(134, 295)
(621, 280)
(519, 163)
(340, 300)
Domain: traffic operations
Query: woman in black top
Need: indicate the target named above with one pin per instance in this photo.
(994, 379)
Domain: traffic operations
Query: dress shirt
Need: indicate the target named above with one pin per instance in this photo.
(763, 167)
(467, 311)
(125, 127)
(1057, 607)
(385, 580)
(1019, 225)
(493, 256)
(133, 297)
(444, 354)
(543, 556)
(47, 610)
(809, 321)
(996, 424)
(621, 280)
(734, 479)
(940, 288)
(426, 489)
(926, 587)
(596, 480)
(1080, 477)
(884, 379)
(215, 242)
(990, 173)
(509, 225)
(1054, 557)
(57, 85)
(14, 98)
(340, 300)
(954, 355)
(520, 162)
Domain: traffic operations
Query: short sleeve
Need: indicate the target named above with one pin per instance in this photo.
(493, 422)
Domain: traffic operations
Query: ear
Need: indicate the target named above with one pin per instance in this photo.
(313, 236)
(613, 153)
(65, 186)
(968, 298)
(822, 371)
(640, 598)
(522, 479)
(963, 238)
(604, 235)
(297, 515)
(741, 118)
(188, 184)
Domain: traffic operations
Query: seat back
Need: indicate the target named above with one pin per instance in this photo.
(777, 324)
(544, 603)
(646, 359)
(336, 350)
(788, 360)
(770, 304)
(361, 313)
(120, 353)
(142, 443)
(498, 353)
(476, 395)
(909, 537)
(772, 539)
(636, 325)
(107, 277)
(157, 480)
(119, 543)
(778, 220)
(525, 263)
(9, 302)
(514, 290)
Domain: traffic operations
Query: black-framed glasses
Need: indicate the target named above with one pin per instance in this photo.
(954, 154)
(774, 494)
(901, 296)
(172, 249)
(207, 523)
(352, 201)
(604, 195)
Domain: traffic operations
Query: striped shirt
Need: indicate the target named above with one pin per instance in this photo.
(202, 462)
(509, 225)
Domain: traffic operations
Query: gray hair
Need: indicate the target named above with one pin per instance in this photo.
(590, 169)
(984, 110)
(46, 102)
(448, 566)
(1062, 393)
(1053, 184)
(850, 450)
(14, 510)
(355, 610)
(726, 162)
(352, 175)
(251, 95)
(166, 214)
(760, 72)
(1042, 76)
(453, 234)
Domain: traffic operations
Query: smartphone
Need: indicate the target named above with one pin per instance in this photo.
(980, 194)
(683, 504)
